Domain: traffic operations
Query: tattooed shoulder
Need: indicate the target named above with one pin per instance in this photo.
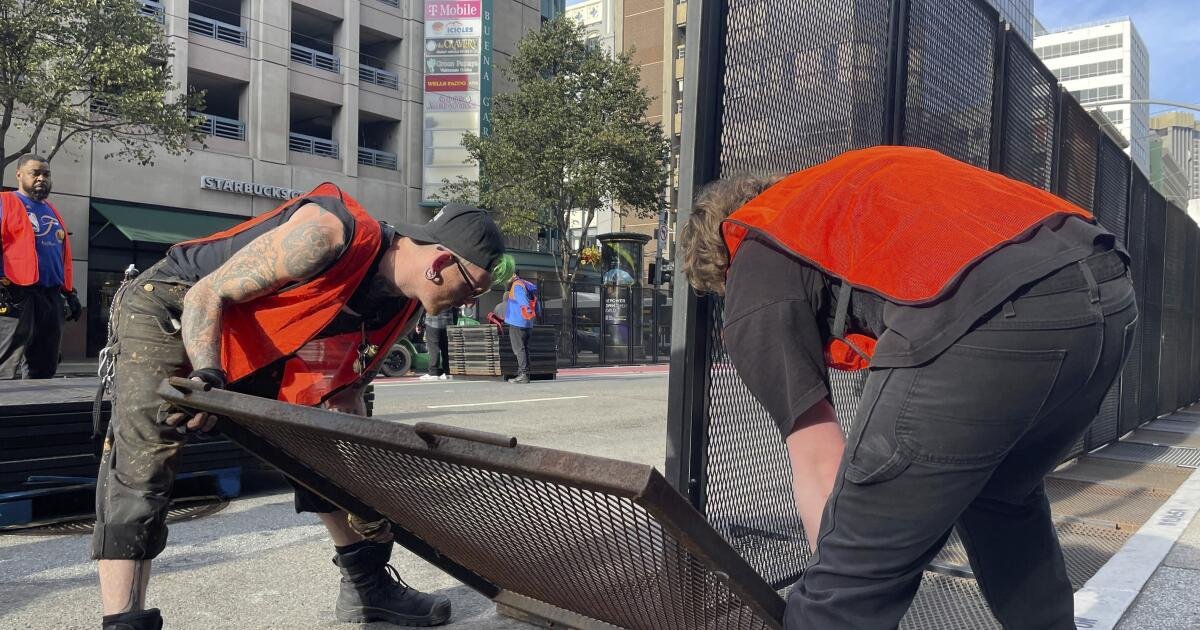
(308, 249)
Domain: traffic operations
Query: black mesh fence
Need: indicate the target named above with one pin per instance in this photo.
(795, 84)
(1112, 210)
(1132, 378)
(950, 69)
(1030, 99)
(1152, 297)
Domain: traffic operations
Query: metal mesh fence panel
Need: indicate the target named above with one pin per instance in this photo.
(1132, 377)
(793, 101)
(789, 103)
(1078, 137)
(1112, 209)
(1194, 379)
(1152, 298)
(1030, 102)
(606, 539)
(1187, 314)
(948, 103)
(1174, 256)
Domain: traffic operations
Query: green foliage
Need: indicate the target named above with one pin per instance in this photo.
(571, 138)
(89, 68)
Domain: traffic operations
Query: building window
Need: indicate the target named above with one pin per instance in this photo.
(1096, 95)
(1066, 49)
(1116, 66)
(1115, 116)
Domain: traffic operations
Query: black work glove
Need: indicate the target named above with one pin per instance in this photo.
(74, 308)
(213, 377)
(184, 421)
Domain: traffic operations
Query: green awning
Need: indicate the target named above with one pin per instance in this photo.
(162, 225)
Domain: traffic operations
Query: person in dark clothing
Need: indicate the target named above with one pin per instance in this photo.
(293, 305)
(37, 293)
(520, 315)
(993, 318)
(437, 340)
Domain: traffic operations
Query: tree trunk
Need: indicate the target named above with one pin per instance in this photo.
(566, 332)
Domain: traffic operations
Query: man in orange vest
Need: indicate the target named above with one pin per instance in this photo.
(36, 279)
(993, 317)
(292, 305)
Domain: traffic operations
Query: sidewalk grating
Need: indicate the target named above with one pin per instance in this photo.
(1161, 477)
(1188, 457)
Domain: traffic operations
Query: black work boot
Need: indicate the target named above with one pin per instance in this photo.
(139, 620)
(371, 590)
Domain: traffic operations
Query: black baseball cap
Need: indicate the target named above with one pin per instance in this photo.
(464, 230)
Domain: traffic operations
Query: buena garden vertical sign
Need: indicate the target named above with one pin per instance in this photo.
(457, 91)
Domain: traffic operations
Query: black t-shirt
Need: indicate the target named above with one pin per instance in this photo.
(372, 305)
(779, 311)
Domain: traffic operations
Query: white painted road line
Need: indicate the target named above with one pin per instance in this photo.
(505, 402)
(416, 383)
(1102, 602)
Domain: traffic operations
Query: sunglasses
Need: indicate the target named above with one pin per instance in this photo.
(476, 290)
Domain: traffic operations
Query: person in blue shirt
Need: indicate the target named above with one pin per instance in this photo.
(36, 284)
(520, 314)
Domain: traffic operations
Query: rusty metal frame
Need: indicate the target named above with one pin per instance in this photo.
(639, 483)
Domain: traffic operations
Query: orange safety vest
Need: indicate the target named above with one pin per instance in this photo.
(902, 222)
(257, 333)
(17, 240)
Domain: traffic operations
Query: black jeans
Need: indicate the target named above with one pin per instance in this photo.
(31, 333)
(437, 340)
(519, 338)
(965, 441)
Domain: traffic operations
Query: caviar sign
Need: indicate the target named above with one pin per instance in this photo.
(457, 94)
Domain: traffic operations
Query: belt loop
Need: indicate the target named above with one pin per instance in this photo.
(1009, 310)
(1093, 289)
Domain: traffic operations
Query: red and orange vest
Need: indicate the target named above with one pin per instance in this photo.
(257, 333)
(902, 222)
(18, 242)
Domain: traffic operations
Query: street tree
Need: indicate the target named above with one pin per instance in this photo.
(569, 140)
(98, 69)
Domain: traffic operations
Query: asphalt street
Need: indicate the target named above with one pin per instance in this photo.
(257, 564)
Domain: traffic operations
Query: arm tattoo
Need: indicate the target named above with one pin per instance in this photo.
(260, 268)
(307, 250)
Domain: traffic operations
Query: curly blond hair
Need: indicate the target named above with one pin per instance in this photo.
(705, 258)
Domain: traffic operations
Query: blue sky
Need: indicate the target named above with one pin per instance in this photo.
(1170, 28)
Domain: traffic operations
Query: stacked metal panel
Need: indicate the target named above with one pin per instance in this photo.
(486, 351)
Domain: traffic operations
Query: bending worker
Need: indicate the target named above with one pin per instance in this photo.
(293, 305)
(993, 317)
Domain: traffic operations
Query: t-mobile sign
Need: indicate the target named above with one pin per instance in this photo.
(458, 92)
(460, 9)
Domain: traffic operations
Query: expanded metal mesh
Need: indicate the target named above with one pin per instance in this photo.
(1174, 256)
(1152, 313)
(788, 103)
(1160, 477)
(793, 101)
(1078, 139)
(1126, 507)
(553, 540)
(948, 104)
(1030, 103)
(1130, 451)
(804, 82)
(1132, 378)
(1112, 210)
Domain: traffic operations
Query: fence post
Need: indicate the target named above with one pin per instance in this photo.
(897, 83)
(687, 392)
(999, 80)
